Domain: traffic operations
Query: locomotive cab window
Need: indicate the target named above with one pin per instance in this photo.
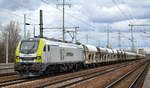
(29, 46)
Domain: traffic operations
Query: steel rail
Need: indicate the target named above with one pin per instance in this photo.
(136, 79)
(124, 76)
(17, 81)
(7, 74)
(97, 73)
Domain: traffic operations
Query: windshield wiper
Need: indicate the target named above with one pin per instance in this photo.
(31, 48)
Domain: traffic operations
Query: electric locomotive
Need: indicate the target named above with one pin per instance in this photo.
(38, 56)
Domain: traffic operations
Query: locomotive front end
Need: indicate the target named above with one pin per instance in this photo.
(29, 57)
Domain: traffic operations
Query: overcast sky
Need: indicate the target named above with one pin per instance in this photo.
(92, 16)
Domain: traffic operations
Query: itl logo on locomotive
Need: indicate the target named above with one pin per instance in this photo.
(69, 54)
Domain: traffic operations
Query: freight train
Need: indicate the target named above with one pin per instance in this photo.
(38, 56)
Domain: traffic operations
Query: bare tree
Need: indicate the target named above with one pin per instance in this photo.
(2, 60)
(10, 31)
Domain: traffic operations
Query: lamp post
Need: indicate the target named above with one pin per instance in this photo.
(6, 48)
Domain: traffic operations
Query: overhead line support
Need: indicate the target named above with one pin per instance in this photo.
(41, 24)
(63, 17)
(132, 37)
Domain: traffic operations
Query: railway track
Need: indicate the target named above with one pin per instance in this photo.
(11, 82)
(78, 79)
(130, 79)
(139, 76)
(16, 81)
(62, 80)
(7, 74)
(99, 81)
(10, 77)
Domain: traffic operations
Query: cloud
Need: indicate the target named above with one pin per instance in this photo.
(92, 16)
(20, 4)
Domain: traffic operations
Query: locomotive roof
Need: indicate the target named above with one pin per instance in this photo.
(62, 44)
(91, 48)
(57, 43)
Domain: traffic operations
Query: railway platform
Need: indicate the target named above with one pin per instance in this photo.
(147, 80)
(6, 68)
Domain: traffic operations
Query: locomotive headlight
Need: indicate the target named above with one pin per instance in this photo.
(38, 57)
(17, 57)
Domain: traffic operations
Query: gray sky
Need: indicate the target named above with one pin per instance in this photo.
(92, 16)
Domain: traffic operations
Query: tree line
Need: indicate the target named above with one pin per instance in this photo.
(9, 33)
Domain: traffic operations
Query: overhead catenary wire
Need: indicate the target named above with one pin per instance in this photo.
(78, 19)
(130, 14)
(122, 12)
(91, 26)
(16, 15)
(130, 21)
(21, 16)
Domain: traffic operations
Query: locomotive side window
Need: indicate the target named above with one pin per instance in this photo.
(44, 48)
(48, 48)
